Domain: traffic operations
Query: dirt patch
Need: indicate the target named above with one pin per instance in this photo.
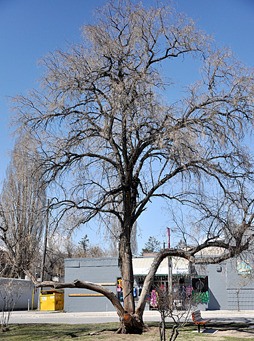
(151, 335)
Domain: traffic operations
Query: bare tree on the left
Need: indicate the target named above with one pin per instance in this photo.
(22, 208)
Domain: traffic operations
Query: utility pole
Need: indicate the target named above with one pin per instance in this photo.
(44, 252)
(45, 242)
(170, 285)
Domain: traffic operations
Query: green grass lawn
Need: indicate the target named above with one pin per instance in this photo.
(29, 332)
(106, 332)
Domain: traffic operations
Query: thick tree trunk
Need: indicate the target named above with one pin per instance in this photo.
(125, 262)
(131, 324)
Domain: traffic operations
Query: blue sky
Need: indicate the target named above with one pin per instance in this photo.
(29, 29)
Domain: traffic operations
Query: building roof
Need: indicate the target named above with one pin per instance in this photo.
(141, 266)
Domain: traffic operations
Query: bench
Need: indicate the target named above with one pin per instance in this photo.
(198, 320)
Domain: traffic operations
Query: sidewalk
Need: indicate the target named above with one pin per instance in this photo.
(34, 316)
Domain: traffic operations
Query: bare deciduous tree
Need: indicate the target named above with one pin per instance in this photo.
(10, 293)
(111, 123)
(167, 310)
(22, 207)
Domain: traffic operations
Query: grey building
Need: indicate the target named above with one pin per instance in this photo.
(224, 286)
(103, 271)
(231, 285)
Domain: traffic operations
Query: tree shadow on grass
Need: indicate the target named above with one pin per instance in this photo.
(34, 332)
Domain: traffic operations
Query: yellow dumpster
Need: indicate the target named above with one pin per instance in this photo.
(52, 300)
